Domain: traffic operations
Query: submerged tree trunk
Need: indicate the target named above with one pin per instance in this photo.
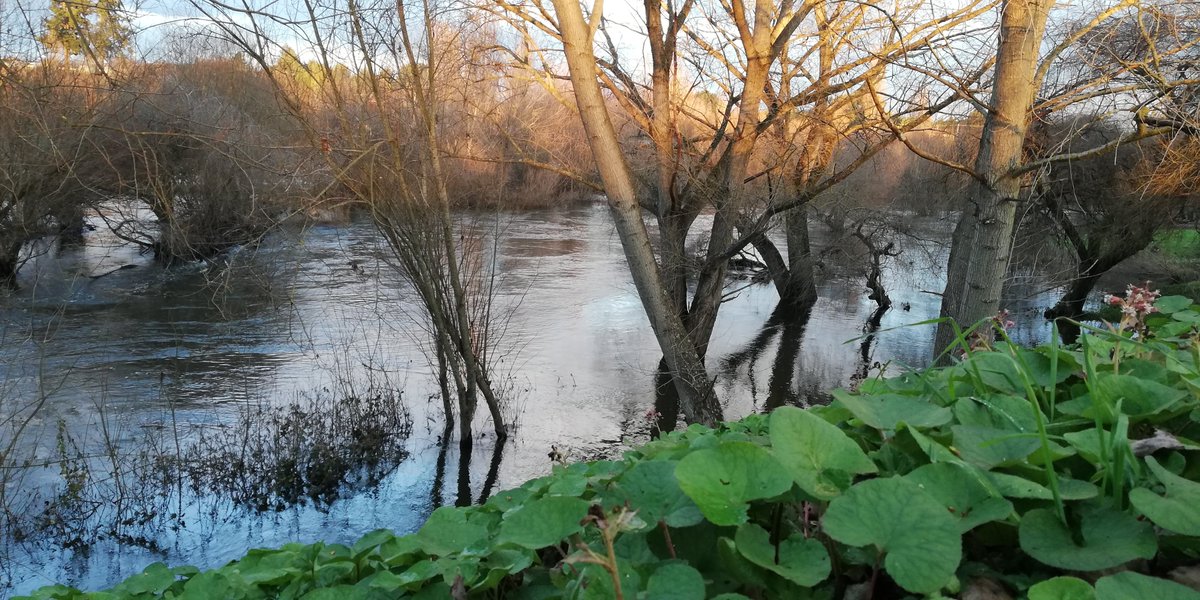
(71, 227)
(10, 262)
(814, 161)
(1069, 308)
(982, 241)
(1070, 305)
(801, 288)
(697, 399)
(731, 198)
(1118, 237)
(666, 401)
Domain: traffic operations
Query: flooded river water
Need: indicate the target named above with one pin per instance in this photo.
(316, 310)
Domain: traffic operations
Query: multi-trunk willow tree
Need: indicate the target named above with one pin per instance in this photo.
(744, 106)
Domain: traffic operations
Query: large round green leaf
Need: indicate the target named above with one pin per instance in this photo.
(722, 480)
(1012, 486)
(1172, 304)
(920, 537)
(1108, 538)
(812, 448)
(1135, 586)
(597, 584)
(996, 371)
(1076, 489)
(1139, 397)
(156, 578)
(887, 411)
(801, 560)
(448, 530)
(543, 522)
(1178, 510)
(570, 480)
(341, 592)
(650, 488)
(1087, 443)
(990, 447)
(732, 565)
(935, 450)
(676, 581)
(998, 411)
(1062, 588)
(961, 493)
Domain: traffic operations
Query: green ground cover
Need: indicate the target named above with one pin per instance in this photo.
(1177, 243)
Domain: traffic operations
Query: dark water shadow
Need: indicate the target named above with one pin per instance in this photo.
(463, 487)
(865, 364)
(787, 322)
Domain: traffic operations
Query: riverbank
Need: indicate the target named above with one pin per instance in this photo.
(165, 357)
(1034, 472)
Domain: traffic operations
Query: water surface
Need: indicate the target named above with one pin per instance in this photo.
(318, 310)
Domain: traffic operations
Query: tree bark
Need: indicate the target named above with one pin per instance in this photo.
(801, 287)
(697, 399)
(10, 262)
(982, 241)
(1070, 305)
(735, 164)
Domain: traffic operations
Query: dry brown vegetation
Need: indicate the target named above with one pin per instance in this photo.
(216, 150)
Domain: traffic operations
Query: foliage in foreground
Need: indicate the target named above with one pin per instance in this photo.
(1058, 472)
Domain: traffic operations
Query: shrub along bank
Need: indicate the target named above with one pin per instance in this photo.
(1053, 472)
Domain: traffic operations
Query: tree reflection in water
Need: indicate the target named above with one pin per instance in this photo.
(463, 493)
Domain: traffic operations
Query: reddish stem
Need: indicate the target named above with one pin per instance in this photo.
(874, 577)
(667, 536)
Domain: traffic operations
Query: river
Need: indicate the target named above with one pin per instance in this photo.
(316, 310)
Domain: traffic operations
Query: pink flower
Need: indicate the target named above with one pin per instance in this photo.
(1001, 319)
(1137, 303)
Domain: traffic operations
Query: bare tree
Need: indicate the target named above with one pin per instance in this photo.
(1109, 208)
(378, 126)
(51, 160)
(1029, 82)
(753, 87)
(204, 146)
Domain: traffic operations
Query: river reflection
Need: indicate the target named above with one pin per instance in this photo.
(318, 308)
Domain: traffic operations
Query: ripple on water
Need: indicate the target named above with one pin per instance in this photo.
(318, 310)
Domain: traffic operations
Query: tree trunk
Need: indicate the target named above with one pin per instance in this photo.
(777, 267)
(10, 262)
(814, 161)
(71, 227)
(982, 241)
(1089, 271)
(801, 288)
(1070, 305)
(673, 235)
(731, 198)
(666, 401)
(696, 397)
